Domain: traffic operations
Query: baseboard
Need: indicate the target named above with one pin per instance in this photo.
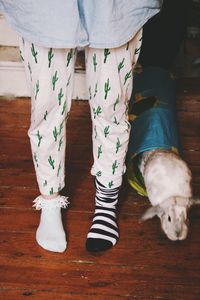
(13, 82)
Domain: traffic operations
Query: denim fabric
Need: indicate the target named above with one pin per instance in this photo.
(78, 23)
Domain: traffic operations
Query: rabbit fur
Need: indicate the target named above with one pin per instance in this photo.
(168, 184)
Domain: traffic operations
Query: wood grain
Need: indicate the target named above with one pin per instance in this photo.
(143, 265)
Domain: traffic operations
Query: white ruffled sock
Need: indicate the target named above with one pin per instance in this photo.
(50, 233)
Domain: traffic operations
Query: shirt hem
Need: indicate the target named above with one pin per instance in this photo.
(60, 44)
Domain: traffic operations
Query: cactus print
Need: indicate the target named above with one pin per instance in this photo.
(49, 110)
(95, 61)
(54, 80)
(106, 53)
(45, 115)
(99, 151)
(60, 96)
(51, 162)
(55, 134)
(97, 111)
(112, 69)
(34, 53)
(107, 88)
(118, 145)
(96, 90)
(39, 138)
(106, 131)
(109, 82)
(50, 56)
(60, 144)
(127, 76)
(37, 88)
(69, 56)
(121, 65)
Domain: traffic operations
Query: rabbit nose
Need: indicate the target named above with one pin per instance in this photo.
(178, 233)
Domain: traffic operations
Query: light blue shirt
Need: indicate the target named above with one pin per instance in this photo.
(78, 23)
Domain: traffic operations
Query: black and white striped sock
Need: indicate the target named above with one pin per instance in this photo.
(104, 231)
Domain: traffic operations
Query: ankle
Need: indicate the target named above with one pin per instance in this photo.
(50, 197)
(58, 202)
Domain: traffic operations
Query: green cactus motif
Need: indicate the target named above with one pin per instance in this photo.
(137, 50)
(96, 90)
(107, 88)
(69, 56)
(30, 70)
(39, 138)
(55, 134)
(60, 144)
(69, 79)
(98, 174)
(121, 65)
(54, 80)
(95, 130)
(100, 151)
(127, 109)
(128, 126)
(116, 102)
(35, 159)
(114, 167)
(34, 53)
(60, 96)
(64, 107)
(95, 62)
(110, 184)
(118, 145)
(45, 183)
(127, 76)
(20, 52)
(51, 162)
(37, 89)
(45, 115)
(59, 168)
(59, 187)
(106, 131)
(115, 121)
(51, 191)
(97, 112)
(61, 126)
(90, 93)
(106, 53)
(50, 56)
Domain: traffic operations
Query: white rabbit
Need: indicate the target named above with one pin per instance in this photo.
(168, 184)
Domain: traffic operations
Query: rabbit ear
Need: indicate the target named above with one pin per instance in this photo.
(194, 201)
(151, 212)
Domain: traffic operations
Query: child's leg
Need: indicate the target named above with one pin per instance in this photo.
(50, 73)
(109, 76)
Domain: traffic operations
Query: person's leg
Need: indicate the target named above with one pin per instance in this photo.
(109, 77)
(50, 74)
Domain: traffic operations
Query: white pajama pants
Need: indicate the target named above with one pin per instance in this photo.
(50, 74)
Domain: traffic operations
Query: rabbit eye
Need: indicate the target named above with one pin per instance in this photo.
(169, 218)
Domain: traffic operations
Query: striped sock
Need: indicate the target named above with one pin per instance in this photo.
(104, 231)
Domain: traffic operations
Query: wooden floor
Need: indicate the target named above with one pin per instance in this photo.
(143, 265)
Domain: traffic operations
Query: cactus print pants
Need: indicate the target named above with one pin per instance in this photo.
(50, 74)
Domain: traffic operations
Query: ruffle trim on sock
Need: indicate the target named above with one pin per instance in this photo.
(58, 202)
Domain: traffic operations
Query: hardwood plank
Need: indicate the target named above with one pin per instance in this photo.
(97, 279)
(19, 294)
(78, 222)
(143, 265)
